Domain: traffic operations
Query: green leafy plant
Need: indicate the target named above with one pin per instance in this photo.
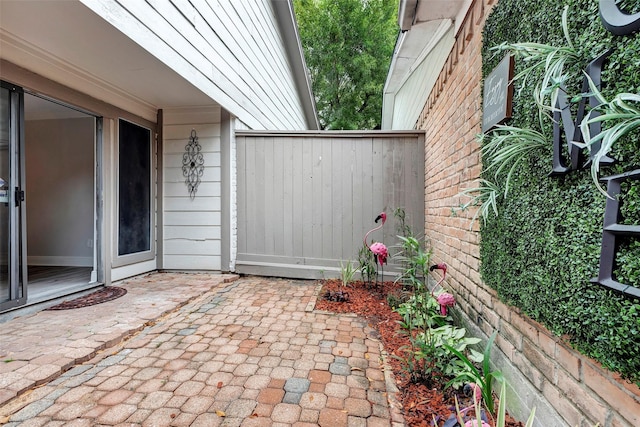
(402, 228)
(484, 378)
(540, 253)
(629, 266)
(445, 338)
(420, 311)
(430, 353)
(485, 196)
(507, 148)
(547, 60)
(621, 114)
(347, 272)
(504, 149)
(415, 258)
(500, 415)
(366, 264)
(420, 308)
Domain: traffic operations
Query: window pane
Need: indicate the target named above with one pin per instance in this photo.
(134, 189)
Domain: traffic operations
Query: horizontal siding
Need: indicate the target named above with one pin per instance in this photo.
(179, 189)
(194, 232)
(306, 201)
(191, 227)
(231, 50)
(192, 247)
(197, 204)
(192, 262)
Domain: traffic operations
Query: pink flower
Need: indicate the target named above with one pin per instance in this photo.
(445, 300)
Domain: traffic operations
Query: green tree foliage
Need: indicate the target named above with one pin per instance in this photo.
(348, 45)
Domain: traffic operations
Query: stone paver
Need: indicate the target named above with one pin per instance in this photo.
(196, 350)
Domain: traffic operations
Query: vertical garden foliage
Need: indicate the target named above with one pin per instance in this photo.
(543, 247)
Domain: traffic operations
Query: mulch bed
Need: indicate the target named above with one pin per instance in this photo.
(422, 403)
(107, 293)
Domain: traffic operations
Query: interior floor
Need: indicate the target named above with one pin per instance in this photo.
(47, 282)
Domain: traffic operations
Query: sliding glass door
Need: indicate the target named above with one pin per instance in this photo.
(12, 291)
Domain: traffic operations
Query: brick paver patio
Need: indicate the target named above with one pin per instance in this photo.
(196, 350)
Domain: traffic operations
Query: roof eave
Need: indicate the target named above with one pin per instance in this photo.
(289, 28)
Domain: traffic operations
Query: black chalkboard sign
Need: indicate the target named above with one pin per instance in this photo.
(134, 189)
(497, 94)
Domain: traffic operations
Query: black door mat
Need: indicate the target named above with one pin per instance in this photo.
(108, 293)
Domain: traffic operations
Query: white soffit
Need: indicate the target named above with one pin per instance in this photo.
(422, 25)
(68, 43)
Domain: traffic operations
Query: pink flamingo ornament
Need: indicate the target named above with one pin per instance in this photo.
(380, 252)
(445, 299)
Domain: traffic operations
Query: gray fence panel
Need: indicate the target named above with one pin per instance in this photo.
(306, 199)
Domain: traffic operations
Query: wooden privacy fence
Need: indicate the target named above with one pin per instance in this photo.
(306, 199)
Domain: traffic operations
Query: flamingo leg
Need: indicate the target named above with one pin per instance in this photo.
(375, 260)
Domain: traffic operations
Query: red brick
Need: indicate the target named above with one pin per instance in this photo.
(631, 387)
(610, 391)
(115, 397)
(335, 403)
(565, 408)
(583, 398)
(540, 360)
(277, 383)
(117, 414)
(547, 343)
(285, 413)
(485, 297)
(358, 407)
(568, 359)
(528, 369)
(490, 317)
(507, 348)
(512, 335)
(503, 310)
(525, 326)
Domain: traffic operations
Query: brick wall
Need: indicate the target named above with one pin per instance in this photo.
(566, 387)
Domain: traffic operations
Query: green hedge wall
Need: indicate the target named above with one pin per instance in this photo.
(543, 248)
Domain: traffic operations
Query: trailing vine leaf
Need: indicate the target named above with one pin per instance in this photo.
(508, 146)
(622, 113)
(504, 148)
(485, 195)
(547, 60)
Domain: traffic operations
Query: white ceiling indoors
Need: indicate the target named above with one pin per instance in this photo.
(68, 43)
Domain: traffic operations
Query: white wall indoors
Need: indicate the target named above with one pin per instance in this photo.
(60, 191)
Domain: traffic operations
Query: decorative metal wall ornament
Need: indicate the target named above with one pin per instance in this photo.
(192, 164)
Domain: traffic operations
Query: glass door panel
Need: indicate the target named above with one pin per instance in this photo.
(5, 118)
(11, 284)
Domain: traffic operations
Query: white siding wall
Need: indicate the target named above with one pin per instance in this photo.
(231, 50)
(192, 228)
